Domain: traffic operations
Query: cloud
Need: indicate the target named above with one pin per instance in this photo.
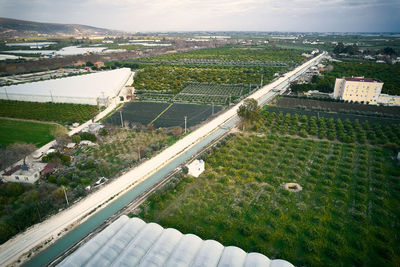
(261, 15)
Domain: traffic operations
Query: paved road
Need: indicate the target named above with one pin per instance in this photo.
(22, 243)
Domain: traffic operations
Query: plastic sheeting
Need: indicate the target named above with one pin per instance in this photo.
(82, 89)
(132, 242)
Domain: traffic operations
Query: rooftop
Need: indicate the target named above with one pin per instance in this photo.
(132, 242)
(27, 170)
(362, 79)
(83, 86)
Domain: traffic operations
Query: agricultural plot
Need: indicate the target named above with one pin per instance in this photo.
(343, 116)
(218, 62)
(175, 115)
(137, 112)
(353, 108)
(62, 113)
(154, 97)
(162, 114)
(201, 93)
(346, 214)
(232, 55)
(328, 128)
(173, 79)
(213, 93)
(12, 131)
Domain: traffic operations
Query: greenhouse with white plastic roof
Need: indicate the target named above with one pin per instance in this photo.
(93, 89)
(132, 242)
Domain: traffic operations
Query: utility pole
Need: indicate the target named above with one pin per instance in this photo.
(138, 152)
(52, 100)
(120, 115)
(262, 79)
(185, 123)
(65, 193)
(6, 93)
(212, 108)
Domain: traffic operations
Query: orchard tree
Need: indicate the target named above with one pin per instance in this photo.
(249, 112)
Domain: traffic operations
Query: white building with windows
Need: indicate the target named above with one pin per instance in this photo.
(358, 89)
(23, 173)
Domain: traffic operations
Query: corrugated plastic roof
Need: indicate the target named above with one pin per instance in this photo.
(83, 86)
(132, 242)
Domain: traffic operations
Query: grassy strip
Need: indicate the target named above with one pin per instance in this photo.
(57, 112)
(12, 131)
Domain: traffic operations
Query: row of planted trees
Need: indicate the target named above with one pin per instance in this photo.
(328, 128)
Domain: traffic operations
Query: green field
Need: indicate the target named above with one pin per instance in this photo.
(235, 53)
(346, 215)
(346, 131)
(57, 112)
(12, 131)
(173, 79)
(171, 73)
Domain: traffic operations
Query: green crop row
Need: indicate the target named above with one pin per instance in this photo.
(56, 112)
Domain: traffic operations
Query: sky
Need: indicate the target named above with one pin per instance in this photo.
(214, 15)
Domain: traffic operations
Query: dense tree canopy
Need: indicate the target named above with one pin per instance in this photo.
(249, 112)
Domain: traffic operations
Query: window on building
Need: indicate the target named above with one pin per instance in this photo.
(16, 177)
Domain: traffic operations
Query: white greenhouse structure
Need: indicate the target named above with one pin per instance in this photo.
(93, 89)
(132, 242)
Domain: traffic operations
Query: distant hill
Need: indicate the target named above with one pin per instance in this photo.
(23, 28)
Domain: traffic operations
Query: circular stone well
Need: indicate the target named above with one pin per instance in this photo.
(293, 187)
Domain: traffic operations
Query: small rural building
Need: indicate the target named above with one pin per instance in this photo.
(51, 150)
(24, 173)
(70, 145)
(98, 64)
(80, 64)
(87, 143)
(49, 168)
(93, 128)
(196, 167)
(389, 100)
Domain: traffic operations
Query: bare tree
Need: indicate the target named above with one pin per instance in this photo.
(15, 152)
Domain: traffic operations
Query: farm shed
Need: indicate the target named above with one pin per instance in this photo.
(92, 89)
(196, 167)
(132, 242)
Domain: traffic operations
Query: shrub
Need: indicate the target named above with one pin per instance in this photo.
(88, 136)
